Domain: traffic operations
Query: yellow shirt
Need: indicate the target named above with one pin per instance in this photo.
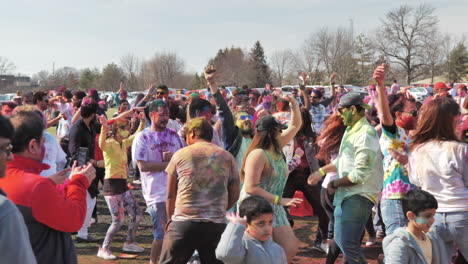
(115, 154)
(425, 245)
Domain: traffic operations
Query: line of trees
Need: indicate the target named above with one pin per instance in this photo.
(408, 41)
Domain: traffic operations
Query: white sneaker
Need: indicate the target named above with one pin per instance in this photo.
(105, 254)
(132, 247)
(371, 241)
(325, 247)
(136, 182)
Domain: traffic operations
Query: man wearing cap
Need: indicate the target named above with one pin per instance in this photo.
(360, 174)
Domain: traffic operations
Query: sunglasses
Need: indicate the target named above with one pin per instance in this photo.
(160, 93)
(315, 97)
(244, 117)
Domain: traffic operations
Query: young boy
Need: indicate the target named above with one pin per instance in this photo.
(247, 238)
(415, 244)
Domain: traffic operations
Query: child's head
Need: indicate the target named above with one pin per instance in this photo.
(419, 207)
(259, 214)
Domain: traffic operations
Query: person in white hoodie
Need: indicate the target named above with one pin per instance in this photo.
(247, 237)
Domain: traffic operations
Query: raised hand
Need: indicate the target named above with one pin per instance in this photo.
(210, 74)
(333, 77)
(235, 218)
(304, 77)
(379, 75)
(141, 116)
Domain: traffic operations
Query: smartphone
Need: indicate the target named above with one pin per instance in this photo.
(82, 156)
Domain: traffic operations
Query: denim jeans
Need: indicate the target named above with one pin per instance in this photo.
(392, 215)
(453, 229)
(350, 221)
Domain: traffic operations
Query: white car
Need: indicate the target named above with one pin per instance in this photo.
(419, 93)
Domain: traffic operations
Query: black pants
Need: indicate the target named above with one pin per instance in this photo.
(297, 180)
(182, 238)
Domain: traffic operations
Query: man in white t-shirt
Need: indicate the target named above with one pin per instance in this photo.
(153, 148)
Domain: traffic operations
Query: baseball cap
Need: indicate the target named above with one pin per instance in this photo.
(269, 122)
(440, 85)
(350, 99)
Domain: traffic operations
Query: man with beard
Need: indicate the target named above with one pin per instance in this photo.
(398, 117)
(153, 149)
(359, 177)
(238, 133)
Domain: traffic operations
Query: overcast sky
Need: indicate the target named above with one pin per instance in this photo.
(93, 33)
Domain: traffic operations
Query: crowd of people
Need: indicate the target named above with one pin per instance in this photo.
(218, 174)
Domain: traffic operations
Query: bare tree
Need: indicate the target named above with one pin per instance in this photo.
(402, 37)
(163, 68)
(6, 66)
(65, 76)
(130, 64)
(433, 55)
(335, 51)
(281, 62)
(306, 59)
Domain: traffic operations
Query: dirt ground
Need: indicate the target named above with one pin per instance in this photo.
(305, 228)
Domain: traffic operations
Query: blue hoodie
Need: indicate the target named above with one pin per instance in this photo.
(401, 248)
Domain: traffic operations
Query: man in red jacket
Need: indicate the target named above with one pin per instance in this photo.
(49, 215)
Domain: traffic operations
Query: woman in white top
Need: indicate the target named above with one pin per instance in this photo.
(439, 165)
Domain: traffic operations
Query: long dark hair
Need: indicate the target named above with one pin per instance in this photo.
(436, 122)
(332, 133)
(262, 140)
(306, 128)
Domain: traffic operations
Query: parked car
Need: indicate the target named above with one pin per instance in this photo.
(419, 93)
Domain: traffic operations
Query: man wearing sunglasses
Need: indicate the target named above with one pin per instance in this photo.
(359, 177)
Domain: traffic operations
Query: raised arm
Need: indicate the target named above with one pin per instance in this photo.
(304, 93)
(148, 95)
(294, 125)
(382, 100)
(102, 136)
(230, 131)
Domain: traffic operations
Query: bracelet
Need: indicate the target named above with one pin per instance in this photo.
(322, 172)
(277, 199)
